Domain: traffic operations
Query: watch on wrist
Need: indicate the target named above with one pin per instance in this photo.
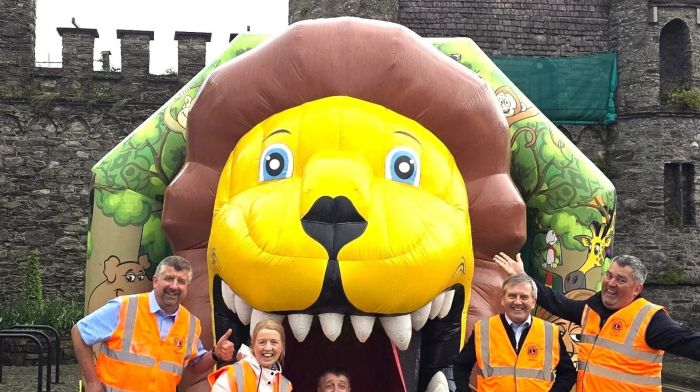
(215, 357)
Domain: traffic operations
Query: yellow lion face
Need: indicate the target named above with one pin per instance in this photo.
(340, 204)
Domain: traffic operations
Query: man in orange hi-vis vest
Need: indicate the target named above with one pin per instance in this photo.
(515, 351)
(623, 336)
(146, 339)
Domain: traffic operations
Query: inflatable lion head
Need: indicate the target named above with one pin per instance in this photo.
(347, 178)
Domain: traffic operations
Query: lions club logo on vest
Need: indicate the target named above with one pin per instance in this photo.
(178, 343)
(532, 350)
(617, 326)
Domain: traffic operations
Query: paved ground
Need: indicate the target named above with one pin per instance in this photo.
(23, 379)
(680, 375)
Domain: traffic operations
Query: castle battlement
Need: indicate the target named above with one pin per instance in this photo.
(79, 43)
(76, 80)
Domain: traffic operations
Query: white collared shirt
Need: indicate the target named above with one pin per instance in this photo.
(519, 328)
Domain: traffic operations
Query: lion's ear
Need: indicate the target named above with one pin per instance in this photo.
(110, 268)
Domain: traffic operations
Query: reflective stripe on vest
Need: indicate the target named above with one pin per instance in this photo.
(620, 376)
(190, 335)
(238, 371)
(170, 367)
(626, 348)
(240, 386)
(487, 371)
(125, 355)
(541, 374)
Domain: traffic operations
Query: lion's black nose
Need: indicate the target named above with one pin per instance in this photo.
(333, 223)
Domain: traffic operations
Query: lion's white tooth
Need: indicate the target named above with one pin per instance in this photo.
(436, 306)
(257, 315)
(438, 383)
(300, 324)
(243, 310)
(398, 329)
(447, 304)
(420, 316)
(363, 326)
(228, 296)
(331, 324)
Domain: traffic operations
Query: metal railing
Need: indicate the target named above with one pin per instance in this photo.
(48, 352)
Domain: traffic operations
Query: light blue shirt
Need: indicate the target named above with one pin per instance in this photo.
(518, 329)
(99, 325)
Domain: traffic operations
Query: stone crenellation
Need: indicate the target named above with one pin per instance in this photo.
(55, 123)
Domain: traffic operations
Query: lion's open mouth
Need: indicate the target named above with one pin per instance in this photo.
(381, 356)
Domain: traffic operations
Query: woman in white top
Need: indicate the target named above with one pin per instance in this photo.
(260, 372)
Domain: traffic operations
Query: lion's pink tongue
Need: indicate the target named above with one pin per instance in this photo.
(373, 366)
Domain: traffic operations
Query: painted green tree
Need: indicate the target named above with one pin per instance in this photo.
(129, 183)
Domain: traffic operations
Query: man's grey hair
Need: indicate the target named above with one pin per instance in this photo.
(178, 263)
(518, 279)
(639, 271)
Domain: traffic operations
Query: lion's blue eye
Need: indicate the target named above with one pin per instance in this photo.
(402, 165)
(276, 162)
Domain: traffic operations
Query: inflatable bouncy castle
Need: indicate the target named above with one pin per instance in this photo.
(352, 180)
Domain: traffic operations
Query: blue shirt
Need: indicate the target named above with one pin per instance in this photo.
(99, 325)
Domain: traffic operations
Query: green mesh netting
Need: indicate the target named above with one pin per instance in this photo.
(568, 90)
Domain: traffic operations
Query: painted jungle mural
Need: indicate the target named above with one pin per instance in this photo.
(570, 203)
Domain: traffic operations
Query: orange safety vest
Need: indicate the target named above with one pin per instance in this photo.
(136, 359)
(617, 357)
(502, 369)
(242, 378)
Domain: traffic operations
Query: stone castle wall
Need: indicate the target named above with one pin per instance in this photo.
(648, 135)
(56, 123)
(46, 153)
(514, 28)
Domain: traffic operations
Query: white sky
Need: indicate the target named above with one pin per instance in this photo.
(219, 17)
